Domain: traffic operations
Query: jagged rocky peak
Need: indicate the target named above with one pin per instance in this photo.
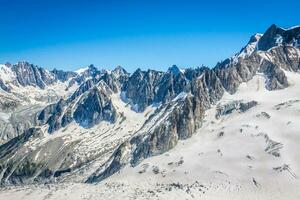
(175, 70)
(115, 79)
(119, 72)
(192, 73)
(141, 87)
(29, 74)
(91, 70)
(25, 74)
(249, 48)
(275, 36)
(95, 107)
(255, 38)
(144, 88)
(89, 105)
(82, 88)
(63, 75)
(83, 74)
(271, 53)
(207, 88)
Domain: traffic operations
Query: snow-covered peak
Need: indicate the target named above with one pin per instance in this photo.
(255, 38)
(119, 71)
(80, 71)
(293, 27)
(250, 47)
(90, 71)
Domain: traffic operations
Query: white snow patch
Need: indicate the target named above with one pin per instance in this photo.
(278, 39)
(6, 74)
(180, 96)
(81, 70)
(4, 117)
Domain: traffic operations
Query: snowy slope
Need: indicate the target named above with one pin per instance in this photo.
(228, 158)
(6, 74)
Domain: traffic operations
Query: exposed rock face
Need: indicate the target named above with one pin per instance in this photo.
(18, 165)
(276, 35)
(112, 81)
(228, 108)
(82, 89)
(51, 115)
(4, 87)
(207, 88)
(246, 106)
(173, 82)
(175, 70)
(95, 107)
(63, 75)
(90, 72)
(28, 74)
(250, 47)
(121, 74)
(140, 88)
(276, 78)
(232, 74)
(14, 111)
(7, 151)
(285, 57)
(89, 105)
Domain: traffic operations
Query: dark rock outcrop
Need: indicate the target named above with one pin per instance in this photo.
(227, 108)
(140, 88)
(276, 35)
(29, 74)
(276, 78)
(246, 106)
(89, 105)
(93, 108)
(232, 74)
(4, 87)
(63, 75)
(9, 172)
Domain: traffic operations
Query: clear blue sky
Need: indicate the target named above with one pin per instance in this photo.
(69, 34)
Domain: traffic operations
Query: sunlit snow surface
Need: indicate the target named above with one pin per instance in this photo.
(228, 158)
(81, 70)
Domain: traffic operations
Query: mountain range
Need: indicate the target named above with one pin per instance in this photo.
(96, 126)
